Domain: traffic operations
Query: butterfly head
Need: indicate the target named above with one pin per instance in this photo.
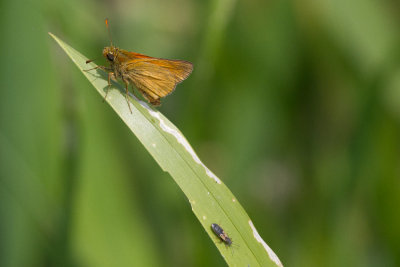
(110, 53)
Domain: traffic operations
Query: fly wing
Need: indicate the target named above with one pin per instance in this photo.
(155, 77)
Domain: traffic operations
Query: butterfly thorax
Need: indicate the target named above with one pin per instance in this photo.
(115, 57)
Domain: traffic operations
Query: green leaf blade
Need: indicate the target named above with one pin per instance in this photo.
(210, 199)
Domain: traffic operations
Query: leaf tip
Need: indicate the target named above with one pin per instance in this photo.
(52, 35)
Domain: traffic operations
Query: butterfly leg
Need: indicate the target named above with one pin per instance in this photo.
(99, 67)
(127, 95)
(110, 75)
(95, 68)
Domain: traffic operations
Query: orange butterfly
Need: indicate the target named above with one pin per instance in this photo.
(155, 78)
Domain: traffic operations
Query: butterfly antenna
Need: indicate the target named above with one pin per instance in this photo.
(109, 33)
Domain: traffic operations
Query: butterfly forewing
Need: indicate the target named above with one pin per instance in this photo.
(157, 77)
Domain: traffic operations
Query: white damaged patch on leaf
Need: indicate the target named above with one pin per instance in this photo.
(179, 137)
(271, 254)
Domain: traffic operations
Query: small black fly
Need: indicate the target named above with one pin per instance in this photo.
(221, 234)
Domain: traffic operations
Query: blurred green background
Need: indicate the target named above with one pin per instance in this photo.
(295, 105)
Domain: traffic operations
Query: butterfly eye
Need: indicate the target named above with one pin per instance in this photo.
(110, 57)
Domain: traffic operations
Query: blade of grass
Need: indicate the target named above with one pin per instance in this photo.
(210, 199)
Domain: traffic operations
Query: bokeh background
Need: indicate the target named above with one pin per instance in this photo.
(295, 105)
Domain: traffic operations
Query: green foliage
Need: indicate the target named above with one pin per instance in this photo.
(210, 199)
(294, 104)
